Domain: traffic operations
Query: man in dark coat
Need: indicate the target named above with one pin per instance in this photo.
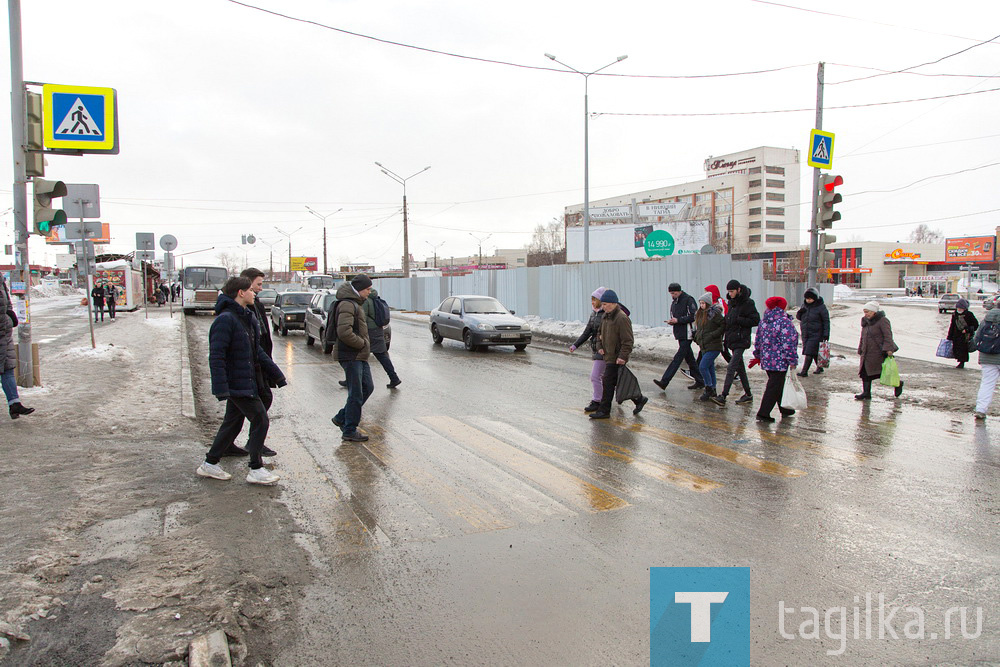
(239, 368)
(615, 345)
(741, 318)
(235, 427)
(682, 312)
(814, 321)
(98, 294)
(376, 337)
(346, 324)
(961, 330)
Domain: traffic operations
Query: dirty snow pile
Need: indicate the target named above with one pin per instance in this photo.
(103, 352)
(49, 289)
(164, 322)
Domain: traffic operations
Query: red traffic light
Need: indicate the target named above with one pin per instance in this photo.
(830, 182)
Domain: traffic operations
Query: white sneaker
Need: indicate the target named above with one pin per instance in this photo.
(212, 470)
(262, 476)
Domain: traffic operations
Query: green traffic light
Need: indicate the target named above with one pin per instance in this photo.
(44, 226)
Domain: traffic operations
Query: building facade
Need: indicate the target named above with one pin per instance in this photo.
(748, 202)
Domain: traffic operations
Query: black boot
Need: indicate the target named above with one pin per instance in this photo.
(697, 385)
(16, 410)
(592, 406)
(899, 389)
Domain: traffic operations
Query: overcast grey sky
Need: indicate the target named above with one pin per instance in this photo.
(233, 120)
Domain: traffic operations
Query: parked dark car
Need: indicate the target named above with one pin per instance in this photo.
(266, 297)
(289, 311)
(478, 321)
(316, 315)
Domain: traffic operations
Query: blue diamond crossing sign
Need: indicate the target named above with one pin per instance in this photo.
(820, 149)
(80, 118)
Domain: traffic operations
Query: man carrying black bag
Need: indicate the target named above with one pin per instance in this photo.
(615, 343)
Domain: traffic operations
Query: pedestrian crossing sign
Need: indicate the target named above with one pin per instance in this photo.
(80, 118)
(820, 149)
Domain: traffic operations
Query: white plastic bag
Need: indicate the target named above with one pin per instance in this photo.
(794, 396)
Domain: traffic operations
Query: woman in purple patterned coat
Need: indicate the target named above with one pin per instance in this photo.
(776, 347)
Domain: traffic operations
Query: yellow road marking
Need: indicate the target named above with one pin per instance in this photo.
(670, 474)
(569, 487)
(766, 436)
(710, 449)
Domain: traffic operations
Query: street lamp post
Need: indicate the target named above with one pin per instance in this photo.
(586, 149)
(406, 234)
(323, 218)
(480, 240)
(288, 235)
(270, 255)
(435, 247)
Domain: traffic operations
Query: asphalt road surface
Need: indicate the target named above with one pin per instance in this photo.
(489, 521)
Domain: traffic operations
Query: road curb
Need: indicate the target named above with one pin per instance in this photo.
(187, 386)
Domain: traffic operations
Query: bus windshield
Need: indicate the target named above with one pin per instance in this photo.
(205, 277)
(320, 282)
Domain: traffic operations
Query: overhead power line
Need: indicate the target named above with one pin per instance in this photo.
(912, 67)
(810, 109)
(926, 178)
(920, 222)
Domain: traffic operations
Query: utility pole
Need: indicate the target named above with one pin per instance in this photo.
(323, 218)
(406, 233)
(480, 240)
(22, 267)
(435, 247)
(814, 228)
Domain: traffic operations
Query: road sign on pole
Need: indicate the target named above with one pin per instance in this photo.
(168, 242)
(78, 231)
(82, 201)
(82, 119)
(144, 241)
(821, 149)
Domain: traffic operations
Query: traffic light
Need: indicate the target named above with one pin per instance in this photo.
(45, 216)
(827, 214)
(34, 159)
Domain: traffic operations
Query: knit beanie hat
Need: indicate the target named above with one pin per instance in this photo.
(872, 306)
(714, 291)
(733, 284)
(609, 296)
(674, 287)
(707, 298)
(598, 292)
(963, 304)
(811, 294)
(776, 302)
(360, 282)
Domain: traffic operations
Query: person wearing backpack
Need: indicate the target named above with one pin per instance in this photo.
(377, 315)
(987, 341)
(963, 327)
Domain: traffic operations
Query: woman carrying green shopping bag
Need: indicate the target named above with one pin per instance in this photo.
(876, 347)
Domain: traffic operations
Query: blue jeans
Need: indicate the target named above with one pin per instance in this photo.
(359, 388)
(9, 387)
(707, 367)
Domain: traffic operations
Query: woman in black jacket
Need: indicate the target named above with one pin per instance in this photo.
(591, 333)
(815, 325)
(963, 328)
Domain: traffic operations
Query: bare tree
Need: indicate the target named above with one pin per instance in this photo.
(924, 234)
(231, 262)
(548, 244)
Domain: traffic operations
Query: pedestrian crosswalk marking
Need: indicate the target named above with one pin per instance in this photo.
(766, 436)
(79, 121)
(568, 487)
(661, 471)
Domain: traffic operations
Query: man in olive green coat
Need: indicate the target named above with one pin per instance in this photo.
(615, 343)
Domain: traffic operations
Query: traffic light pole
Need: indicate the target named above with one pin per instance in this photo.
(814, 228)
(22, 270)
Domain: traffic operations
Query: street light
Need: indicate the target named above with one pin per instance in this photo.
(435, 247)
(270, 255)
(406, 234)
(288, 235)
(480, 240)
(323, 218)
(586, 149)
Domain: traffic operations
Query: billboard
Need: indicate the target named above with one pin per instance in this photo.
(970, 249)
(303, 264)
(621, 242)
(58, 235)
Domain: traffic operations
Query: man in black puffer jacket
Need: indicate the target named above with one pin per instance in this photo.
(239, 366)
(682, 312)
(741, 318)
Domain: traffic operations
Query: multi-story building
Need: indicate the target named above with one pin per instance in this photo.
(748, 202)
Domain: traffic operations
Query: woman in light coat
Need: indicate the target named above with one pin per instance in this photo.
(990, 362)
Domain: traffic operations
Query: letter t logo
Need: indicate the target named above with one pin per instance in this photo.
(701, 611)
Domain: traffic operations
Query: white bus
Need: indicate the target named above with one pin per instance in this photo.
(200, 287)
(318, 281)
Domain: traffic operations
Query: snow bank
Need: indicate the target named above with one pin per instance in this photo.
(165, 322)
(103, 352)
(842, 292)
(49, 289)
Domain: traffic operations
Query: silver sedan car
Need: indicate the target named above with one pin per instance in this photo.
(478, 321)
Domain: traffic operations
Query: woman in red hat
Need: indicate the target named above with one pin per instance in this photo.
(776, 348)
